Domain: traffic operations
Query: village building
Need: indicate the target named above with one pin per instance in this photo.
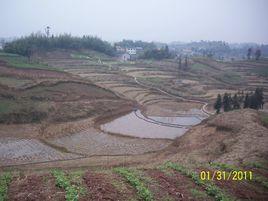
(131, 51)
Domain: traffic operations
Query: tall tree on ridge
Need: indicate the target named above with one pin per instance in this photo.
(218, 104)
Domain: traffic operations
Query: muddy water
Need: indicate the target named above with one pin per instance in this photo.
(151, 127)
(183, 120)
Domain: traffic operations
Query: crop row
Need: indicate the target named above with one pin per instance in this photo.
(143, 192)
(72, 191)
(210, 187)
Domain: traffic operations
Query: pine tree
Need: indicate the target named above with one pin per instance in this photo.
(253, 102)
(246, 101)
(226, 102)
(236, 103)
(259, 97)
(218, 104)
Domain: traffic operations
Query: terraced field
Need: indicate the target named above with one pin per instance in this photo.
(93, 142)
(170, 181)
(21, 151)
(111, 130)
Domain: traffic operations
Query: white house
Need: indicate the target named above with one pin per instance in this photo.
(131, 51)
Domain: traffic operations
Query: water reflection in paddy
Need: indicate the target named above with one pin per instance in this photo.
(132, 125)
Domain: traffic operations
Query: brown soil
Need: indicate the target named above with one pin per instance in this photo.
(59, 97)
(35, 187)
(176, 186)
(232, 137)
(101, 189)
(244, 190)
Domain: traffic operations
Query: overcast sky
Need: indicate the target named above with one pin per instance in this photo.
(150, 20)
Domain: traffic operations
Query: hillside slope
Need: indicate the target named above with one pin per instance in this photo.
(234, 137)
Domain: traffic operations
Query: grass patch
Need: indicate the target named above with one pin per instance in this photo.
(5, 180)
(22, 62)
(143, 192)
(229, 77)
(73, 192)
(211, 188)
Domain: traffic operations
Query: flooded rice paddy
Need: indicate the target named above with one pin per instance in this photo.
(136, 125)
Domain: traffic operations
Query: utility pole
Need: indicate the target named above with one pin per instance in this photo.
(47, 30)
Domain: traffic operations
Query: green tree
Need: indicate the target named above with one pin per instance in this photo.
(218, 104)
